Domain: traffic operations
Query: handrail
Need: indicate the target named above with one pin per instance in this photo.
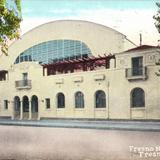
(23, 83)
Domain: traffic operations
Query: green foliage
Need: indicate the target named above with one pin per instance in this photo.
(2, 2)
(158, 73)
(157, 18)
(18, 4)
(9, 26)
(157, 24)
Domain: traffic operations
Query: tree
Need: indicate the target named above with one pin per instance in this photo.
(9, 24)
(157, 24)
(157, 18)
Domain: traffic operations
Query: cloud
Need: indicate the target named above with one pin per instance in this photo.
(129, 22)
(59, 11)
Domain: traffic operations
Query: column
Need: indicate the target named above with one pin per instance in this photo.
(38, 118)
(6, 76)
(12, 107)
(112, 63)
(44, 71)
(40, 105)
(21, 110)
(30, 110)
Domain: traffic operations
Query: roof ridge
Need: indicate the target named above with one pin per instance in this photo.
(142, 47)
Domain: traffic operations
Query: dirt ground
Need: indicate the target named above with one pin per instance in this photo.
(42, 143)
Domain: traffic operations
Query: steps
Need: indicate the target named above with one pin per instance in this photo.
(16, 115)
(25, 115)
(34, 116)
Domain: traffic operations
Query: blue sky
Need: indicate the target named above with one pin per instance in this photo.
(130, 17)
(45, 8)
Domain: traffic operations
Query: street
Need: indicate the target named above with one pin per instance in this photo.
(44, 143)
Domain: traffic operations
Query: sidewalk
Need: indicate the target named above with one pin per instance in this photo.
(88, 124)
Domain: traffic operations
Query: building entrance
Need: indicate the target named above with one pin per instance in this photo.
(25, 105)
(17, 107)
(34, 107)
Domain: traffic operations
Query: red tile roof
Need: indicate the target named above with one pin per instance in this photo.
(143, 47)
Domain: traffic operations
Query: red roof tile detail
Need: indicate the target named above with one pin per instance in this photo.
(143, 47)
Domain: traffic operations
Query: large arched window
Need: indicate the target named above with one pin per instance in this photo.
(60, 100)
(79, 100)
(137, 98)
(55, 50)
(100, 99)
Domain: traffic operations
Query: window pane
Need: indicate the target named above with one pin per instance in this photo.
(61, 100)
(137, 64)
(79, 100)
(5, 104)
(138, 98)
(100, 99)
(56, 49)
(47, 101)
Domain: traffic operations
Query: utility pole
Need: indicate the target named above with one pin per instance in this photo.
(140, 39)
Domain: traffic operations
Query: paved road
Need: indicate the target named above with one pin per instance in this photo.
(89, 124)
(49, 143)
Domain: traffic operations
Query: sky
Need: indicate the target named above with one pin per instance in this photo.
(130, 17)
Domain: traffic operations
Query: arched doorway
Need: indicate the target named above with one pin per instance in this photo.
(34, 107)
(17, 106)
(25, 107)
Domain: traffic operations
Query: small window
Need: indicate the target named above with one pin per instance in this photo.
(137, 98)
(60, 100)
(47, 101)
(100, 99)
(137, 66)
(25, 76)
(79, 100)
(6, 104)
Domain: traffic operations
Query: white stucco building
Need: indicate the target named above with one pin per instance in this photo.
(79, 69)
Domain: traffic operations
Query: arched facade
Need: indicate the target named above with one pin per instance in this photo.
(55, 51)
(72, 30)
(78, 69)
